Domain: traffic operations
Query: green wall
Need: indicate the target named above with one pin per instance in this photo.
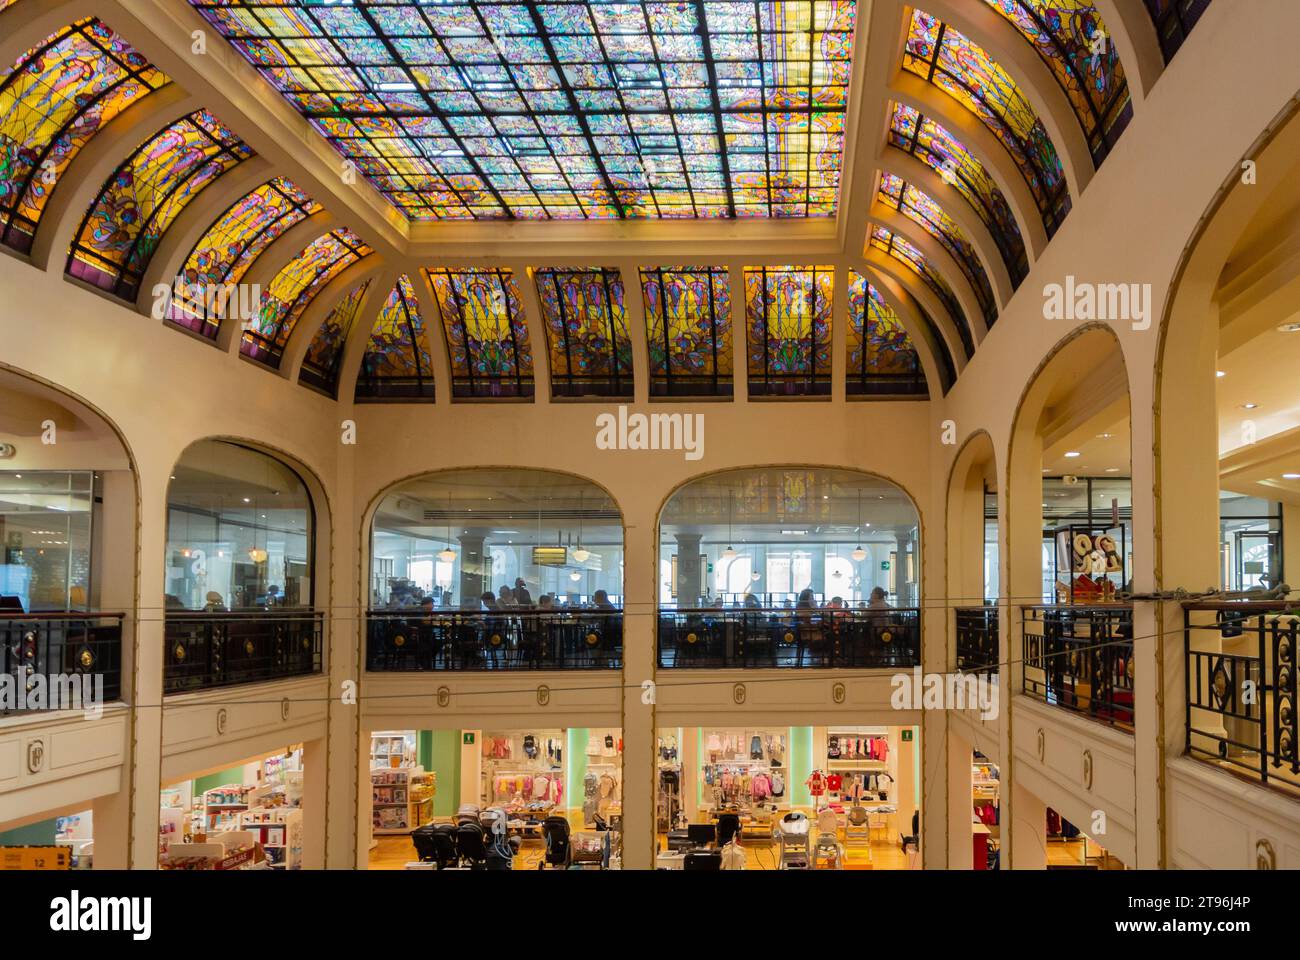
(575, 767)
(219, 779)
(802, 763)
(438, 751)
(33, 835)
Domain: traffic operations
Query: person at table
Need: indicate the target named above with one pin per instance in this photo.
(522, 597)
(546, 602)
(600, 601)
(878, 600)
(489, 600)
(506, 600)
(751, 602)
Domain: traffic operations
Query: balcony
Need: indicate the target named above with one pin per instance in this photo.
(207, 650)
(60, 643)
(410, 640)
(751, 637)
(977, 639)
(1080, 658)
(1241, 692)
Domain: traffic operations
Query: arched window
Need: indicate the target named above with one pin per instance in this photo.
(240, 531)
(882, 357)
(397, 365)
(888, 242)
(144, 195)
(1174, 20)
(485, 330)
(688, 330)
(788, 315)
(586, 331)
(320, 367)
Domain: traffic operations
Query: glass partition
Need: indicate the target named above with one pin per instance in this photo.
(45, 539)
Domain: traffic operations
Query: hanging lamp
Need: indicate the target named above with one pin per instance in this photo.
(859, 554)
(447, 554)
(730, 552)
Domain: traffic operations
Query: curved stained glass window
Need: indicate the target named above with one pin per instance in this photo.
(223, 254)
(122, 230)
(937, 53)
(923, 211)
(486, 332)
(57, 96)
(397, 365)
(788, 315)
(320, 367)
(292, 290)
(890, 243)
(574, 110)
(5, 4)
(882, 358)
(688, 330)
(1174, 20)
(586, 331)
(914, 133)
(1072, 39)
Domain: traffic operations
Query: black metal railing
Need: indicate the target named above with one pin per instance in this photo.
(977, 639)
(59, 644)
(402, 640)
(205, 650)
(1081, 658)
(1242, 692)
(748, 637)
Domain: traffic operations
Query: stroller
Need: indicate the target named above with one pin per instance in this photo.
(555, 830)
(468, 813)
(796, 844)
(471, 845)
(828, 852)
(501, 848)
(436, 843)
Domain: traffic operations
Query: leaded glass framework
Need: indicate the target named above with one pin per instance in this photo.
(147, 192)
(788, 316)
(1072, 39)
(486, 332)
(1174, 20)
(397, 366)
(55, 98)
(225, 252)
(921, 209)
(943, 56)
(292, 290)
(688, 330)
(320, 367)
(882, 358)
(913, 132)
(586, 331)
(890, 243)
(574, 110)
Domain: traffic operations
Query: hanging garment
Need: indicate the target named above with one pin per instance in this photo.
(714, 744)
(816, 783)
(833, 782)
(778, 785)
(755, 748)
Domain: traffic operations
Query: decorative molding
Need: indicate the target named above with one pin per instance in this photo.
(738, 693)
(222, 717)
(838, 692)
(35, 755)
(543, 695)
(444, 696)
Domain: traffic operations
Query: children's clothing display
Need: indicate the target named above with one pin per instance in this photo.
(816, 783)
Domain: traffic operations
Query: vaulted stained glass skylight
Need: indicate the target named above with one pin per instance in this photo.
(292, 290)
(882, 358)
(225, 252)
(923, 211)
(486, 332)
(1174, 20)
(788, 315)
(55, 98)
(1073, 41)
(586, 331)
(572, 110)
(890, 243)
(917, 134)
(148, 191)
(957, 65)
(397, 365)
(688, 330)
(320, 367)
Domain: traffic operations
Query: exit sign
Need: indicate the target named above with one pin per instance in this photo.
(907, 736)
(467, 738)
(884, 564)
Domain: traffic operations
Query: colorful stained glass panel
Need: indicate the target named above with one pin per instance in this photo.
(1174, 20)
(882, 358)
(486, 332)
(891, 244)
(688, 330)
(914, 133)
(943, 56)
(228, 248)
(922, 210)
(292, 290)
(122, 230)
(320, 367)
(586, 331)
(576, 110)
(788, 316)
(55, 98)
(397, 365)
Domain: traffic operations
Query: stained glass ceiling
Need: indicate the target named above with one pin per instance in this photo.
(567, 110)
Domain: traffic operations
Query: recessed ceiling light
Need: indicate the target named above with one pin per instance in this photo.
(1070, 454)
(1105, 436)
(1249, 406)
(1219, 373)
(247, 500)
(1112, 469)
(1291, 476)
(1289, 327)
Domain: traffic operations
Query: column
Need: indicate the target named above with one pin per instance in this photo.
(474, 570)
(690, 571)
(314, 778)
(639, 767)
(1029, 831)
(960, 807)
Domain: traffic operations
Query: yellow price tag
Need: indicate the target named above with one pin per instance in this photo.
(35, 858)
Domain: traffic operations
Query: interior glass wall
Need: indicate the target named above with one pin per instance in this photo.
(1250, 548)
(239, 531)
(452, 538)
(1095, 504)
(45, 539)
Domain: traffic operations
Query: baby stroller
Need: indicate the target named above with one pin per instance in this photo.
(471, 845)
(501, 847)
(435, 843)
(468, 813)
(796, 844)
(828, 853)
(555, 830)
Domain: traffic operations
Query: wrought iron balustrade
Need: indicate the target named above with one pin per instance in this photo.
(468, 640)
(751, 637)
(1080, 658)
(977, 639)
(205, 650)
(58, 644)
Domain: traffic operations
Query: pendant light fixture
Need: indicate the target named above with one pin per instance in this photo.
(730, 552)
(581, 554)
(447, 554)
(858, 553)
(256, 553)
